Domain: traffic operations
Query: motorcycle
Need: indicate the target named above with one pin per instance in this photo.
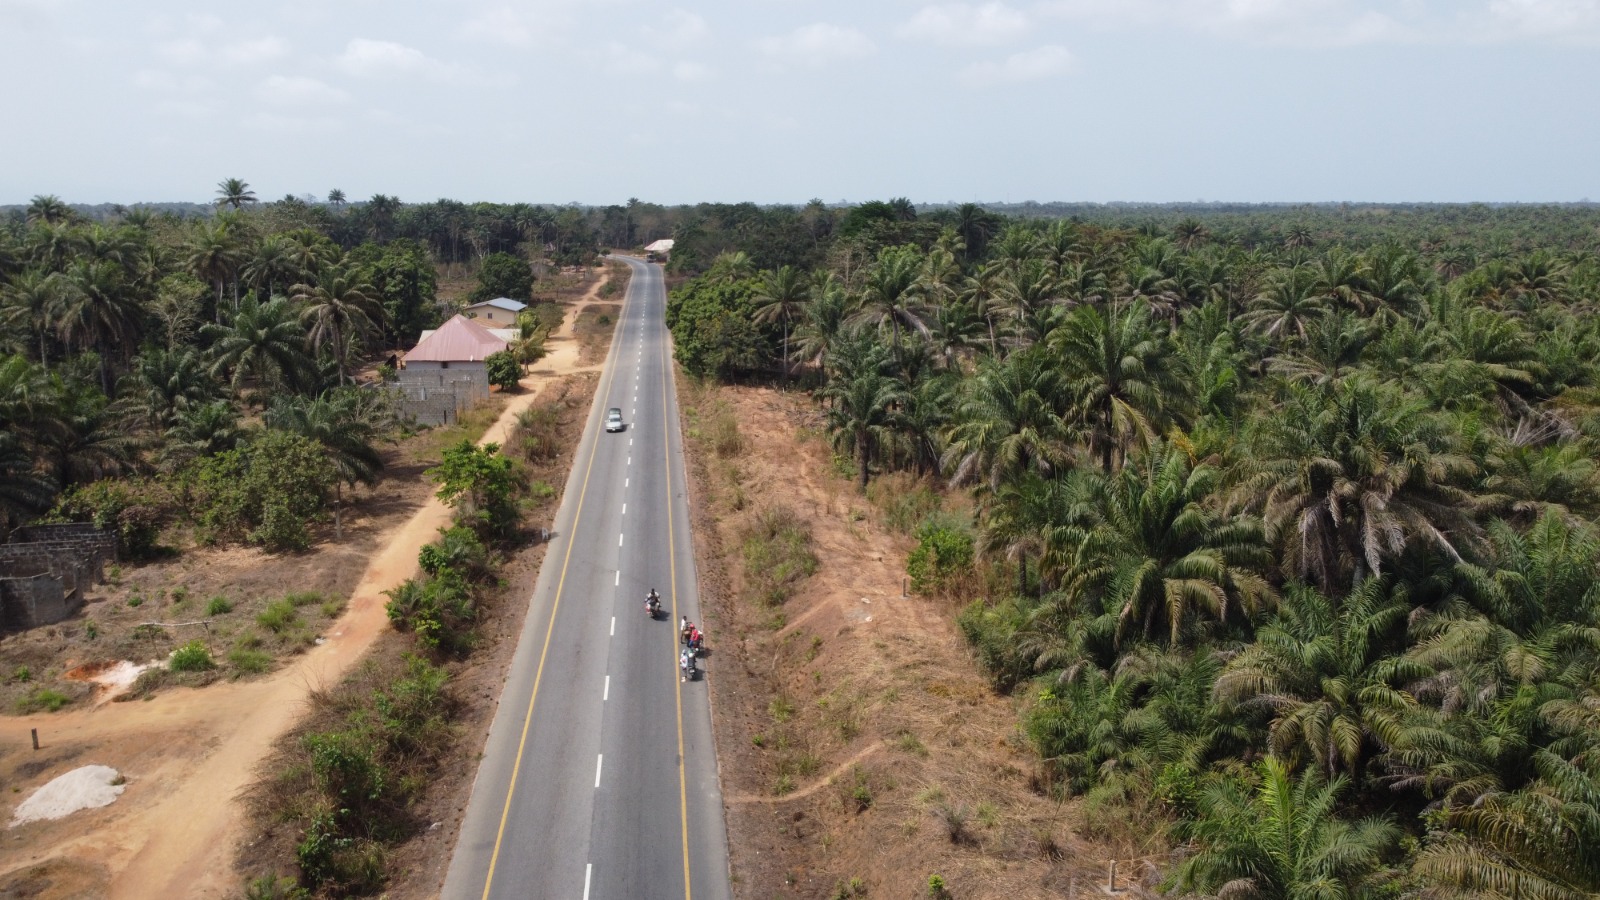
(686, 663)
(652, 607)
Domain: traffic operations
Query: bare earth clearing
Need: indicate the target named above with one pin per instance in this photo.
(187, 753)
(853, 725)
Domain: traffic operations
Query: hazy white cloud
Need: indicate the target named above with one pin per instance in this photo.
(259, 50)
(1567, 19)
(1028, 65)
(299, 91)
(1295, 22)
(500, 25)
(621, 59)
(193, 51)
(961, 23)
(363, 56)
(818, 44)
(689, 70)
(679, 29)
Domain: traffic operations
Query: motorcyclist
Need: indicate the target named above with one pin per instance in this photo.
(686, 663)
(652, 603)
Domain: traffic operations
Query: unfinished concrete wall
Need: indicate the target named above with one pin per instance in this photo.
(31, 601)
(46, 573)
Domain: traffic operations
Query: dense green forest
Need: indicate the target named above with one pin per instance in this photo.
(163, 367)
(1285, 517)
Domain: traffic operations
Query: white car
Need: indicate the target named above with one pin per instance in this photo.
(613, 419)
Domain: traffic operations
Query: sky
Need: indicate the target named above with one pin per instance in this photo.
(782, 101)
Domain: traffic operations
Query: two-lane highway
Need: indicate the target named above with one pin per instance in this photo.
(599, 779)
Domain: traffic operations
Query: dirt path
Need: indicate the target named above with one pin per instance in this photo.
(563, 347)
(188, 753)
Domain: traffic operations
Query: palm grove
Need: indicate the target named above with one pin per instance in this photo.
(162, 368)
(1284, 519)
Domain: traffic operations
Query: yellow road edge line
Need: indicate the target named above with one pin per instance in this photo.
(672, 562)
(538, 676)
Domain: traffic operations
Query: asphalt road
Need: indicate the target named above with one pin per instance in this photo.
(599, 779)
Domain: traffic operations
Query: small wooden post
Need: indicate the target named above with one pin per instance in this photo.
(35, 737)
(1111, 879)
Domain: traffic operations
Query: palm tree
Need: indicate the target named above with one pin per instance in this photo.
(1008, 421)
(338, 310)
(24, 492)
(1288, 305)
(1324, 672)
(88, 443)
(213, 256)
(890, 296)
(863, 404)
(1027, 295)
(1157, 554)
(1333, 346)
(235, 193)
(336, 198)
(48, 209)
(781, 296)
(1283, 842)
(1537, 843)
(1117, 374)
(165, 384)
(825, 320)
(1348, 478)
(29, 300)
(204, 430)
(272, 264)
(346, 427)
(263, 342)
(97, 310)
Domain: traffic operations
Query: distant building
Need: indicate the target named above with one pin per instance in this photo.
(500, 310)
(659, 250)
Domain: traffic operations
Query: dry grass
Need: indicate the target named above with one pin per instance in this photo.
(861, 743)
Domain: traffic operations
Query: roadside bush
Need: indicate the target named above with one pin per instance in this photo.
(134, 509)
(942, 558)
(218, 606)
(457, 548)
(352, 783)
(992, 631)
(539, 433)
(192, 657)
(439, 609)
(479, 484)
(268, 492)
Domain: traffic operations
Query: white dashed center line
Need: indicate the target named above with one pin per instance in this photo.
(607, 694)
(598, 761)
(613, 626)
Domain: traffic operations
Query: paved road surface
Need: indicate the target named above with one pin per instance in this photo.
(599, 779)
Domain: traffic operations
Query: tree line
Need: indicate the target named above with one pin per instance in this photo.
(1285, 523)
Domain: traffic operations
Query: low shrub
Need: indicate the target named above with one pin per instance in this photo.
(279, 616)
(942, 558)
(42, 699)
(218, 606)
(777, 554)
(191, 657)
(249, 661)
